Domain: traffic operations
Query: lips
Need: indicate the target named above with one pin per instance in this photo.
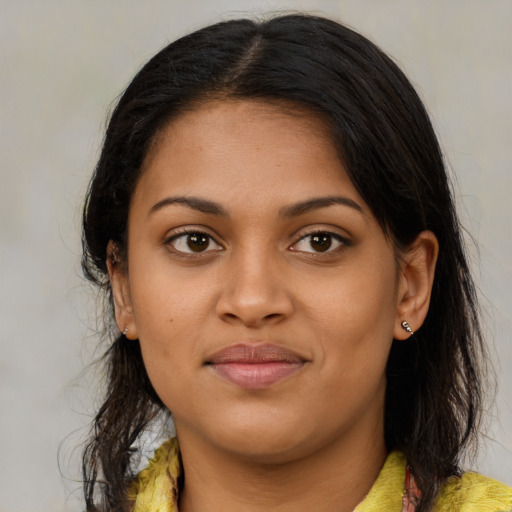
(254, 367)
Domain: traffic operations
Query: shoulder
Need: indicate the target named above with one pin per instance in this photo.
(473, 492)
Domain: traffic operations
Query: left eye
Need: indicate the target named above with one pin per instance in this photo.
(194, 242)
(319, 242)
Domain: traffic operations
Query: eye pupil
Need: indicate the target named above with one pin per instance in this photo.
(197, 242)
(321, 242)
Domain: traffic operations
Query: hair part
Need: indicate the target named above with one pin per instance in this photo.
(389, 148)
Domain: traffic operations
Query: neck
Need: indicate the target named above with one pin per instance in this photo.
(334, 478)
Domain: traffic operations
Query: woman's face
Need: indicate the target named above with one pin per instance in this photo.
(262, 289)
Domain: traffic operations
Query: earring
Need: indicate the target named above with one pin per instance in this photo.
(125, 332)
(407, 327)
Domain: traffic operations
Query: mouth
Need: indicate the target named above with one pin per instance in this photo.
(255, 367)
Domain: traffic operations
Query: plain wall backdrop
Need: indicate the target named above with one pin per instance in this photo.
(62, 65)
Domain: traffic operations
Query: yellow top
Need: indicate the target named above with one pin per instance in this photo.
(156, 488)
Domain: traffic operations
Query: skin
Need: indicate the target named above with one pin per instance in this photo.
(313, 440)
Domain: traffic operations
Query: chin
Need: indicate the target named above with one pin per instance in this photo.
(277, 441)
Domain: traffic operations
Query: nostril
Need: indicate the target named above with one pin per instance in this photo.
(253, 304)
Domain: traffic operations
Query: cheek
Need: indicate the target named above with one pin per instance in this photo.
(354, 318)
(361, 296)
(169, 312)
(165, 297)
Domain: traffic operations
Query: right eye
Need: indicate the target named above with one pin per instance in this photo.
(193, 242)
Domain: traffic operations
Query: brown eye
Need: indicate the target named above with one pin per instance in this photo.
(193, 242)
(197, 242)
(320, 242)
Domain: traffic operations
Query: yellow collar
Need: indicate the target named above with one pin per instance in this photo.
(386, 493)
(156, 488)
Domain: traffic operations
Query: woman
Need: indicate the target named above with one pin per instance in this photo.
(271, 220)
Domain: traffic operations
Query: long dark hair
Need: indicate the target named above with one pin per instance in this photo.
(387, 144)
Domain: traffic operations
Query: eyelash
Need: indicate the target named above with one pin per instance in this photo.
(343, 242)
(189, 232)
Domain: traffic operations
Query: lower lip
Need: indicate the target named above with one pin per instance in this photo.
(256, 375)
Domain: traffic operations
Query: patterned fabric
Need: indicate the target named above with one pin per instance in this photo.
(156, 488)
(412, 495)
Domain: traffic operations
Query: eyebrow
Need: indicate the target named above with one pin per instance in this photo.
(196, 203)
(296, 209)
(293, 210)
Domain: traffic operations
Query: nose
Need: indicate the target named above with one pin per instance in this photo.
(254, 292)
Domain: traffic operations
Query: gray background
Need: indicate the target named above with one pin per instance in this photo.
(62, 64)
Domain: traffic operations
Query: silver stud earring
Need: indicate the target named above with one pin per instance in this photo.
(407, 327)
(125, 332)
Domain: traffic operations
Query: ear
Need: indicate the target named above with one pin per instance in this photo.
(418, 264)
(118, 275)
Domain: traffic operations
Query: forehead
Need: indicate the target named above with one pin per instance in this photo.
(235, 121)
(254, 144)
